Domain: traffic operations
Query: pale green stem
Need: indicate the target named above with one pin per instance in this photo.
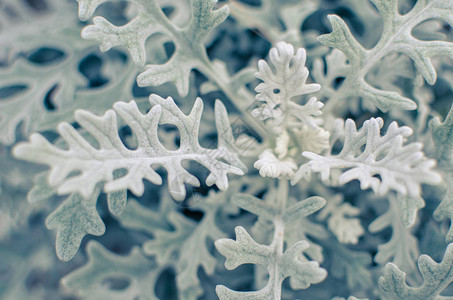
(279, 238)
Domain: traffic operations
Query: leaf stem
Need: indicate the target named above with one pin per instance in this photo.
(279, 238)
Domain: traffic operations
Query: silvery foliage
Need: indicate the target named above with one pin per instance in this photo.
(168, 196)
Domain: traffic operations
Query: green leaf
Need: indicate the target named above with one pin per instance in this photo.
(365, 153)
(442, 135)
(138, 217)
(99, 165)
(402, 248)
(291, 264)
(436, 276)
(27, 106)
(408, 207)
(243, 251)
(74, 219)
(41, 190)
(445, 209)
(87, 8)
(396, 37)
(190, 52)
(117, 202)
(303, 208)
(255, 206)
(139, 272)
(342, 39)
(185, 248)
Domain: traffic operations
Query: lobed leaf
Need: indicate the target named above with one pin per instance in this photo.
(396, 38)
(98, 165)
(140, 273)
(75, 218)
(402, 168)
(436, 276)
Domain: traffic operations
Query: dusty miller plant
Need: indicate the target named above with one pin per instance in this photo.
(195, 149)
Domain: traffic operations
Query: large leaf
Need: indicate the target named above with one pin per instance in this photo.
(96, 165)
(437, 276)
(366, 154)
(139, 273)
(396, 37)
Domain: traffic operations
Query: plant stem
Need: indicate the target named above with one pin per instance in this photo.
(279, 238)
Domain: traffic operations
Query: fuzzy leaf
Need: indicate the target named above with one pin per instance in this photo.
(41, 190)
(244, 250)
(28, 106)
(284, 77)
(303, 208)
(269, 16)
(350, 265)
(396, 37)
(185, 248)
(117, 201)
(150, 20)
(408, 207)
(342, 39)
(138, 217)
(139, 272)
(402, 168)
(445, 209)
(255, 206)
(132, 35)
(301, 273)
(437, 276)
(341, 220)
(270, 166)
(98, 165)
(442, 134)
(402, 248)
(87, 8)
(75, 218)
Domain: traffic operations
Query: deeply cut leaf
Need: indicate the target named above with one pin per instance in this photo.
(96, 165)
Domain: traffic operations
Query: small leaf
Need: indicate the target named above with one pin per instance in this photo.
(74, 219)
(140, 273)
(303, 208)
(342, 39)
(243, 250)
(255, 206)
(117, 202)
(442, 135)
(408, 207)
(41, 190)
(87, 8)
(302, 274)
